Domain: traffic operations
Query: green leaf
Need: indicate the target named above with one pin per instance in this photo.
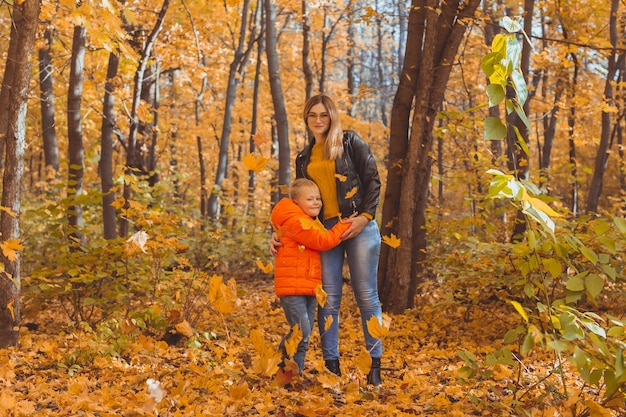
(496, 94)
(553, 266)
(620, 222)
(589, 254)
(529, 343)
(494, 129)
(594, 285)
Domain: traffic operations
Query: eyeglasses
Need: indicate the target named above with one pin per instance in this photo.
(324, 117)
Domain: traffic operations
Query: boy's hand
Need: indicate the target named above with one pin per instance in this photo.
(274, 244)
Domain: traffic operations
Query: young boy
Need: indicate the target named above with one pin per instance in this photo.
(298, 269)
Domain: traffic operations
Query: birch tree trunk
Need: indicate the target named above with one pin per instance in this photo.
(76, 152)
(21, 49)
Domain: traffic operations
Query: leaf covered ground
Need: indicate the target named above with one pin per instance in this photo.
(227, 368)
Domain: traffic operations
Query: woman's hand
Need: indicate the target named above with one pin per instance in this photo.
(357, 223)
(274, 244)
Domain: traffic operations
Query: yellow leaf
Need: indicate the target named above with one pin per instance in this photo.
(239, 391)
(351, 193)
(184, 328)
(10, 248)
(596, 410)
(265, 268)
(392, 241)
(223, 297)
(268, 358)
(312, 224)
(292, 342)
(11, 309)
(364, 361)
(8, 211)
(320, 295)
(375, 328)
(328, 321)
(341, 178)
(255, 163)
(520, 310)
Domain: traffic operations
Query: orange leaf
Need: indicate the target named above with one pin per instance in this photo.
(265, 268)
(255, 163)
(320, 295)
(364, 361)
(351, 193)
(259, 139)
(239, 391)
(341, 178)
(222, 296)
(392, 241)
(328, 321)
(10, 248)
(375, 328)
(291, 344)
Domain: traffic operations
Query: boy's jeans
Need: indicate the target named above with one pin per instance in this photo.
(300, 310)
(362, 253)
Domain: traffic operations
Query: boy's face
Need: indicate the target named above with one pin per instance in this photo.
(310, 201)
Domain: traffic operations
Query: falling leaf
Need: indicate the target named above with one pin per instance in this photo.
(223, 297)
(140, 238)
(255, 163)
(11, 308)
(328, 321)
(320, 295)
(259, 139)
(350, 193)
(10, 248)
(375, 328)
(286, 374)
(312, 224)
(268, 358)
(265, 268)
(364, 361)
(292, 342)
(341, 178)
(392, 241)
(8, 211)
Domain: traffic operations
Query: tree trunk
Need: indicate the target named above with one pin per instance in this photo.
(48, 125)
(131, 146)
(255, 115)
(15, 89)
(237, 68)
(106, 149)
(436, 50)
(76, 152)
(602, 156)
(306, 50)
(280, 112)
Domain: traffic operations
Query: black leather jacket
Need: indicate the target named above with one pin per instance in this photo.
(359, 167)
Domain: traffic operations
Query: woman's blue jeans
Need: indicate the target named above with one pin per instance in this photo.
(362, 252)
(300, 310)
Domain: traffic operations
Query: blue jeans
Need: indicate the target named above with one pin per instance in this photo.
(300, 310)
(362, 252)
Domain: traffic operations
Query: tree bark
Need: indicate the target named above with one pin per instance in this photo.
(15, 89)
(131, 146)
(278, 99)
(306, 50)
(602, 156)
(237, 68)
(76, 152)
(48, 124)
(109, 220)
(436, 36)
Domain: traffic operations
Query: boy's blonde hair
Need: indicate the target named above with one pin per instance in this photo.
(301, 184)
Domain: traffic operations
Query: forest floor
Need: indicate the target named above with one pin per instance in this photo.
(61, 370)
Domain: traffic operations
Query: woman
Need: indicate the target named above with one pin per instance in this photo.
(343, 168)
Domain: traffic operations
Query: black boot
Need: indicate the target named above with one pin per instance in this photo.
(333, 366)
(373, 378)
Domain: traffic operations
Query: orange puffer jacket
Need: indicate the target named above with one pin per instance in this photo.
(298, 269)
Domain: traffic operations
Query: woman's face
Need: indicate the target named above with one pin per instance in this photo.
(318, 120)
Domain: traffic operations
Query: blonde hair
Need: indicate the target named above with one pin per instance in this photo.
(299, 185)
(333, 146)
